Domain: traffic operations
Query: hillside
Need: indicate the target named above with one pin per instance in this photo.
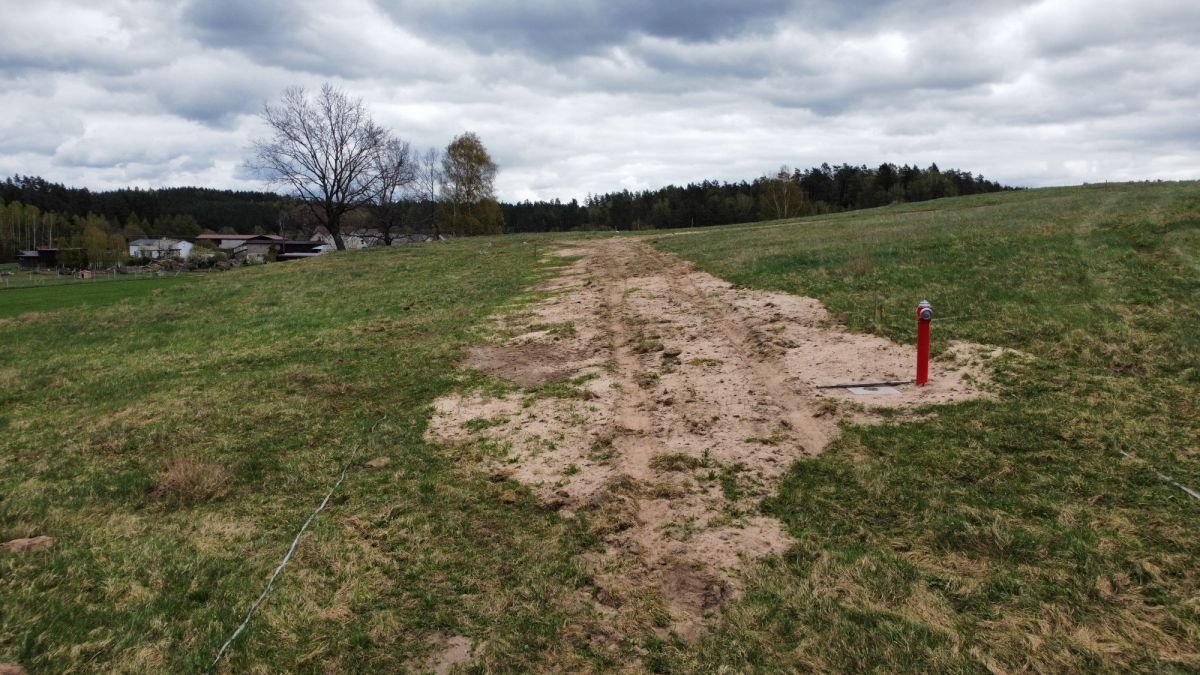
(173, 442)
(1030, 532)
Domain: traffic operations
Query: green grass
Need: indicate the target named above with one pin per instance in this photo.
(1009, 533)
(15, 301)
(173, 442)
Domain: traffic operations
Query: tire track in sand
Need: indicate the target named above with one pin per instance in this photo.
(679, 403)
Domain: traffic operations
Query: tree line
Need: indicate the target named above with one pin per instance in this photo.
(39, 212)
(786, 193)
(345, 173)
(82, 238)
(215, 210)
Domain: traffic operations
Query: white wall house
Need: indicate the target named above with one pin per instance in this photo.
(160, 248)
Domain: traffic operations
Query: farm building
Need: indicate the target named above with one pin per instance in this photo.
(42, 256)
(367, 237)
(418, 238)
(230, 242)
(254, 248)
(363, 237)
(298, 248)
(273, 248)
(160, 248)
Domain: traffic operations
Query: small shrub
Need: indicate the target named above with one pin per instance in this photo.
(478, 424)
(187, 481)
(675, 461)
(647, 380)
(647, 345)
(562, 329)
(613, 514)
(665, 489)
(602, 449)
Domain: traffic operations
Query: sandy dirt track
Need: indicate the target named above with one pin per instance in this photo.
(681, 401)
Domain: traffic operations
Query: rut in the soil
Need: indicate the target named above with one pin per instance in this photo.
(662, 405)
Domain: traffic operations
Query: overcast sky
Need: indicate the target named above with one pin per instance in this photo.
(594, 96)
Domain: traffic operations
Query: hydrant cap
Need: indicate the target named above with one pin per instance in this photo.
(925, 310)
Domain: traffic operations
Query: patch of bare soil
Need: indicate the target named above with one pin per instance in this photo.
(449, 653)
(529, 363)
(680, 402)
(27, 545)
(11, 669)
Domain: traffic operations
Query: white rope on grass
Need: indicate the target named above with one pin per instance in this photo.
(1165, 478)
(278, 570)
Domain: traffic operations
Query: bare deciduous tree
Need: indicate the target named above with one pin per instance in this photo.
(327, 149)
(397, 171)
(426, 188)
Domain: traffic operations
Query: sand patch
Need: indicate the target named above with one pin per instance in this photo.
(450, 652)
(27, 545)
(689, 400)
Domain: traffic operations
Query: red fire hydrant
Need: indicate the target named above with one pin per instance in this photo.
(924, 318)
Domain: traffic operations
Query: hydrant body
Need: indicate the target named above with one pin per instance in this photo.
(924, 318)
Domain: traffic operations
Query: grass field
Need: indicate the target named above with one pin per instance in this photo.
(15, 301)
(1011, 534)
(172, 442)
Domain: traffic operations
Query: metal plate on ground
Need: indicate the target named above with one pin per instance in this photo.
(874, 391)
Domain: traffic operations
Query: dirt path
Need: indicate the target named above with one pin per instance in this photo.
(662, 404)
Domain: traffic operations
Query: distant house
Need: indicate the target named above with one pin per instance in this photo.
(42, 256)
(366, 237)
(295, 249)
(275, 248)
(257, 247)
(418, 238)
(232, 241)
(363, 237)
(162, 247)
(402, 239)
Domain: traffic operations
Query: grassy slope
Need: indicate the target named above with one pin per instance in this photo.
(1010, 533)
(1007, 533)
(267, 380)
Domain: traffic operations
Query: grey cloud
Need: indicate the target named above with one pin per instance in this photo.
(28, 132)
(212, 89)
(119, 38)
(121, 141)
(1064, 28)
(244, 172)
(83, 153)
(211, 107)
(590, 96)
(568, 29)
(291, 34)
(234, 23)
